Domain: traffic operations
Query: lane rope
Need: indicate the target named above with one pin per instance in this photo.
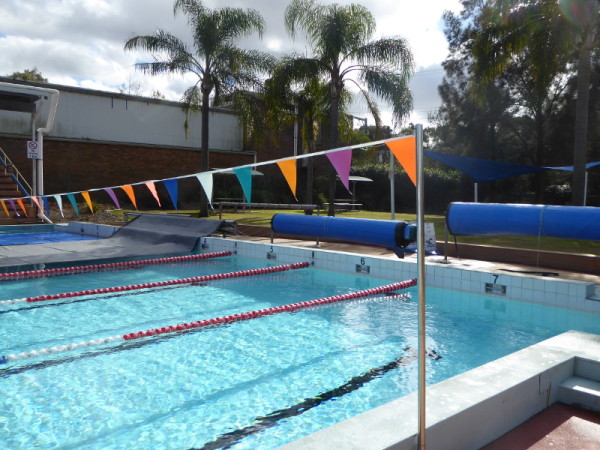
(216, 321)
(132, 287)
(29, 274)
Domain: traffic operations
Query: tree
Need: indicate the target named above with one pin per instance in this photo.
(29, 75)
(343, 53)
(550, 30)
(219, 65)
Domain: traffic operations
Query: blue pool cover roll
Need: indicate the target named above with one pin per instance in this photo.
(385, 233)
(495, 219)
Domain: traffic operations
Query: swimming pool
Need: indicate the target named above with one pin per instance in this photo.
(37, 234)
(258, 383)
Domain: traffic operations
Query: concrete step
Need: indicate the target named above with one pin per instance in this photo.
(582, 392)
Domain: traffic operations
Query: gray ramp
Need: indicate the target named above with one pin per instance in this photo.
(148, 234)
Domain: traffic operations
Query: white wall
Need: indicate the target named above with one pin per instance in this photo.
(110, 117)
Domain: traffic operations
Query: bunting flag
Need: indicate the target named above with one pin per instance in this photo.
(405, 151)
(14, 207)
(71, 198)
(22, 206)
(288, 169)
(59, 203)
(206, 181)
(113, 197)
(88, 200)
(129, 191)
(37, 202)
(244, 176)
(152, 188)
(5, 208)
(46, 205)
(173, 190)
(342, 161)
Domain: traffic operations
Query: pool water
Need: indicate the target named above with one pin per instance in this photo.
(253, 384)
(37, 234)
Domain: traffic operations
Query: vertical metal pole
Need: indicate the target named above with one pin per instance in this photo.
(392, 187)
(476, 192)
(585, 185)
(421, 283)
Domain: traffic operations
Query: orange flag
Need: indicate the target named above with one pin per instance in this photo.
(20, 202)
(405, 151)
(152, 189)
(5, 208)
(129, 191)
(88, 200)
(288, 168)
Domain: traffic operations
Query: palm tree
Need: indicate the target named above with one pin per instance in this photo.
(544, 31)
(219, 65)
(343, 53)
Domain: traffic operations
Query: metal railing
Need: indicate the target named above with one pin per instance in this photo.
(10, 169)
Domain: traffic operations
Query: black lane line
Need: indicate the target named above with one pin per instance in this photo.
(261, 423)
(100, 297)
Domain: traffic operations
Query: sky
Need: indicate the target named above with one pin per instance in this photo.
(80, 42)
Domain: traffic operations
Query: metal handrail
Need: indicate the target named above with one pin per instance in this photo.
(10, 168)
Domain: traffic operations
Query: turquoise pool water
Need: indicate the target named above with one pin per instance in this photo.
(254, 384)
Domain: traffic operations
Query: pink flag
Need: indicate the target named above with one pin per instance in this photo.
(152, 188)
(342, 160)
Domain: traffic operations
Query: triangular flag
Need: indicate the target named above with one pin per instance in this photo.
(14, 207)
(288, 169)
(46, 205)
(37, 202)
(20, 202)
(5, 208)
(88, 200)
(129, 191)
(206, 181)
(405, 151)
(172, 189)
(59, 203)
(152, 189)
(244, 175)
(342, 160)
(71, 198)
(113, 197)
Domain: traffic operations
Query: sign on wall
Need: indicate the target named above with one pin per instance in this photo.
(33, 150)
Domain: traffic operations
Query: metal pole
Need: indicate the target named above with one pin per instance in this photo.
(585, 185)
(421, 283)
(476, 189)
(392, 187)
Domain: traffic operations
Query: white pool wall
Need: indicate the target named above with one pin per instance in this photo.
(570, 294)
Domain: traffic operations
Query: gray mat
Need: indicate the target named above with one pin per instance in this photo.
(148, 234)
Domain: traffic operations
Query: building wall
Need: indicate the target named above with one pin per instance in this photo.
(104, 139)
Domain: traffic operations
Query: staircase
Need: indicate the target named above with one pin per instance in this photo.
(9, 188)
(583, 388)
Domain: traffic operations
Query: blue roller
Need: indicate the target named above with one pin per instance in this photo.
(385, 233)
(494, 219)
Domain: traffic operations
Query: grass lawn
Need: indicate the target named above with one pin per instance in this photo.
(262, 217)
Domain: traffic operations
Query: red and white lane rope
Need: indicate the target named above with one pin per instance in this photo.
(28, 274)
(132, 287)
(216, 321)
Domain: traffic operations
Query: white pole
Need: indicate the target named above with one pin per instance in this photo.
(392, 188)
(421, 283)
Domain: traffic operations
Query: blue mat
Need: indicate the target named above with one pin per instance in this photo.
(41, 238)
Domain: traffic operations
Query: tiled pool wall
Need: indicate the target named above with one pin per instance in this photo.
(570, 294)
